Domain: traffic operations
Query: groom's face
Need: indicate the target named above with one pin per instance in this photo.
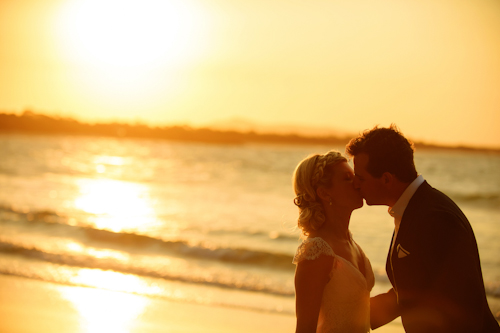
(371, 188)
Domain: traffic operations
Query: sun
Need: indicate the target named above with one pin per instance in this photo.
(129, 53)
(131, 33)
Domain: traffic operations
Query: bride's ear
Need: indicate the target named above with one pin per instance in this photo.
(323, 194)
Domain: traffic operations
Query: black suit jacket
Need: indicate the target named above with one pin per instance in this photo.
(435, 270)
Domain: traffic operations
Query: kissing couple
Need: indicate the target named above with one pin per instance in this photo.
(433, 261)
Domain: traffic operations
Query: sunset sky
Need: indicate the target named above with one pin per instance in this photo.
(430, 66)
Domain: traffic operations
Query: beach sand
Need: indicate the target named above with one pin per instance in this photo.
(28, 306)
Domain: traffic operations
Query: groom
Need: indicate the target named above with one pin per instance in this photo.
(433, 262)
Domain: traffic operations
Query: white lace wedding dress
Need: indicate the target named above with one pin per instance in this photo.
(345, 307)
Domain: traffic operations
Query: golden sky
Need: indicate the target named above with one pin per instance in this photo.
(430, 66)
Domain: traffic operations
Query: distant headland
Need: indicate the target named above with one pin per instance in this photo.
(33, 123)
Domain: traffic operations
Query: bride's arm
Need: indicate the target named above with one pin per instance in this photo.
(311, 276)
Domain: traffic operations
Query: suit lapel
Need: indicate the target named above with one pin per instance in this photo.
(406, 221)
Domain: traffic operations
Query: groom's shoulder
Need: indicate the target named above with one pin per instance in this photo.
(433, 207)
(432, 198)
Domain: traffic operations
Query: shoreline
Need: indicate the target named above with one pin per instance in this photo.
(29, 306)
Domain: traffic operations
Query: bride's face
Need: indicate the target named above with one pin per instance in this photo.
(342, 191)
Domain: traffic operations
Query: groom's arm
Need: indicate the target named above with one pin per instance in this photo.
(383, 309)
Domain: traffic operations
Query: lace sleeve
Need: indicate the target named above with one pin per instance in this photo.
(311, 249)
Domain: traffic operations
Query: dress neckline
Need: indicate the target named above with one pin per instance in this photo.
(345, 260)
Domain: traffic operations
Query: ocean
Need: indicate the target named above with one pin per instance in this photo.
(200, 223)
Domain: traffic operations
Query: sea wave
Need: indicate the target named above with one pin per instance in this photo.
(131, 242)
(492, 288)
(489, 200)
(83, 260)
(184, 248)
(273, 235)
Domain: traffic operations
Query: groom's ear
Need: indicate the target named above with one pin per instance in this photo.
(387, 178)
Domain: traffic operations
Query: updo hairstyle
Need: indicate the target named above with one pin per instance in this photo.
(313, 172)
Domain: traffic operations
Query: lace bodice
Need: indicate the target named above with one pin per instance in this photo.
(311, 249)
(345, 306)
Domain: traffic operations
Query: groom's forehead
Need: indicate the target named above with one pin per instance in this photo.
(360, 162)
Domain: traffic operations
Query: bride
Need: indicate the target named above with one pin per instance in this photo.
(333, 277)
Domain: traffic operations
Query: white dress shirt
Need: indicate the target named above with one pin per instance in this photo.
(399, 207)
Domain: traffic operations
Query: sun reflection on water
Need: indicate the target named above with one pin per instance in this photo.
(77, 248)
(111, 308)
(113, 281)
(117, 205)
(105, 311)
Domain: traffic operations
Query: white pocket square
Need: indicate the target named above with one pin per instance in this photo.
(402, 252)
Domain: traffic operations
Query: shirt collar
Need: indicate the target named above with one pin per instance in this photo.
(399, 207)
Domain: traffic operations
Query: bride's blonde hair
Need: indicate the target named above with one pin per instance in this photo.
(312, 172)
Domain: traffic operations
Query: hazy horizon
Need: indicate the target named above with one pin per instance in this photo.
(309, 134)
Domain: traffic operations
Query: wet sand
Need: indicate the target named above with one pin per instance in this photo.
(29, 306)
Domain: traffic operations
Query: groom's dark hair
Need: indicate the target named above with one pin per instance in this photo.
(388, 151)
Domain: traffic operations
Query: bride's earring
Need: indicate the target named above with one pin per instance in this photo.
(330, 201)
